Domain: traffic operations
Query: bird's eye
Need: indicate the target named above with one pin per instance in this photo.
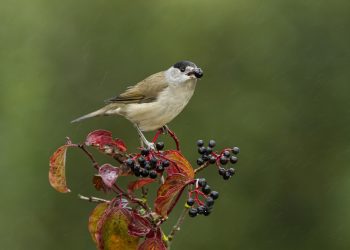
(182, 69)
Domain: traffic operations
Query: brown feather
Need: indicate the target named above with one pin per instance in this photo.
(145, 91)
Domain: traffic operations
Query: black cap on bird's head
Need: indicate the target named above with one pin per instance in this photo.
(182, 65)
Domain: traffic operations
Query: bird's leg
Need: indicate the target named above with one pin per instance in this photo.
(164, 129)
(141, 142)
(143, 139)
(173, 135)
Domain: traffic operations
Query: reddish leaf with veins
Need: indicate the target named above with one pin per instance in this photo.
(139, 184)
(178, 164)
(139, 226)
(57, 172)
(109, 174)
(104, 141)
(169, 192)
(154, 242)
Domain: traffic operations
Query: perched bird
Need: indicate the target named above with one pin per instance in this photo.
(156, 100)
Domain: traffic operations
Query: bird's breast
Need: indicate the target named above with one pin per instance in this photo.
(170, 102)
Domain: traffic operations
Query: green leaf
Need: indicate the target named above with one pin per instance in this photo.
(95, 217)
(112, 230)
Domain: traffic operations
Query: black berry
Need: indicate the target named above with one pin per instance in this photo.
(235, 150)
(153, 174)
(206, 211)
(226, 175)
(205, 157)
(214, 194)
(200, 209)
(222, 171)
(231, 171)
(200, 143)
(209, 201)
(137, 171)
(190, 201)
(226, 153)
(223, 160)
(202, 150)
(144, 172)
(206, 189)
(153, 162)
(202, 182)
(212, 143)
(233, 159)
(141, 160)
(212, 159)
(209, 150)
(147, 166)
(200, 161)
(129, 162)
(145, 151)
(160, 145)
(165, 163)
(192, 212)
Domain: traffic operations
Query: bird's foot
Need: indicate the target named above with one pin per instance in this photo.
(150, 145)
(164, 130)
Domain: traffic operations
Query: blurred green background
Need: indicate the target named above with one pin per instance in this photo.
(276, 84)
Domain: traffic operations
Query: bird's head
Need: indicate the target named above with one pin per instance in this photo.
(183, 71)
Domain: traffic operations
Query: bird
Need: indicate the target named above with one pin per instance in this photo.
(155, 101)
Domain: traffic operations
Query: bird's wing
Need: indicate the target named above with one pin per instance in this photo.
(145, 91)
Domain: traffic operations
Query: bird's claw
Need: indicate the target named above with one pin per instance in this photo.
(150, 145)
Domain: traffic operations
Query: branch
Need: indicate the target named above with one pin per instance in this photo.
(94, 162)
(177, 226)
(92, 199)
(206, 164)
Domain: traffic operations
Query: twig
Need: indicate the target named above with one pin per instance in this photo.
(120, 157)
(165, 129)
(92, 199)
(144, 192)
(173, 135)
(201, 167)
(177, 226)
(94, 162)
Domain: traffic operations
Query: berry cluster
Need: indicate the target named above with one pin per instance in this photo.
(196, 205)
(147, 164)
(220, 159)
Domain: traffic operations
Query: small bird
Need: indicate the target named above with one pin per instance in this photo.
(156, 100)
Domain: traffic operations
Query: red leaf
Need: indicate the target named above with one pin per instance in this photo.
(120, 145)
(153, 243)
(178, 164)
(139, 226)
(57, 172)
(109, 174)
(169, 192)
(102, 139)
(139, 184)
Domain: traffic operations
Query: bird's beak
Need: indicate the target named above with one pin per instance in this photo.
(197, 72)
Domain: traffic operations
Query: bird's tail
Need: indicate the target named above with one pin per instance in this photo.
(99, 112)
